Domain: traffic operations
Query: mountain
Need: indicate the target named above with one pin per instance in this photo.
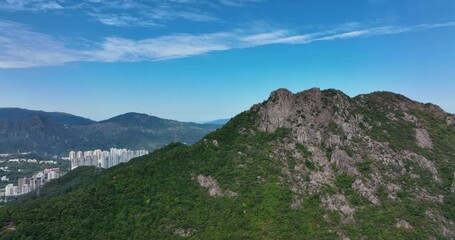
(219, 121)
(312, 165)
(144, 121)
(58, 133)
(19, 114)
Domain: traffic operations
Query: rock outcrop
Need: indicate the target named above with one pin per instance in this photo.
(375, 139)
(213, 187)
(423, 138)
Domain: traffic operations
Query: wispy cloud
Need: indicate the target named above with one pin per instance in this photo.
(30, 5)
(21, 47)
(238, 3)
(128, 13)
(168, 47)
(123, 20)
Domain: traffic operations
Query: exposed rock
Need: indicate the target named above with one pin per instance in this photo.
(296, 203)
(423, 138)
(403, 224)
(318, 156)
(393, 189)
(392, 116)
(410, 118)
(344, 162)
(365, 191)
(447, 227)
(213, 187)
(423, 162)
(377, 179)
(451, 120)
(8, 227)
(211, 184)
(350, 129)
(434, 110)
(230, 193)
(334, 140)
(276, 110)
(215, 143)
(339, 203)
(185, 233)
(422, 194)
(320, 178)
(342, 237)
(308, 135)
(322, 120)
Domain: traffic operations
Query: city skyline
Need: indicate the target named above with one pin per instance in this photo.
(103, 159)
(201, 60)
(29, 184)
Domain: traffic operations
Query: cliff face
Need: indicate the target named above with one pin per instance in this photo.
(312, 165)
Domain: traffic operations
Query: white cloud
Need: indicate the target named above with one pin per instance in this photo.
(49, 5)
(162, 48)
(238, 3)
(123, 20)
(265, 38)
(30, 5)
(21, 47)
(134, 13)
(345, 35)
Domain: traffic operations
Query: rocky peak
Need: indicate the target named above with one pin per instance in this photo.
(312, 111)
(312, 107)
(277, 109)
(380, 140)
(280, 95)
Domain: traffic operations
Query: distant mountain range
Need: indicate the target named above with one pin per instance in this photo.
(219, 121)
(57, 133)
(19, 114)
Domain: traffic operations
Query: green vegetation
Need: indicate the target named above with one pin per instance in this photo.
(399, 133)
(335, 129)
(365, 166)
(291, 162)
(443, 137)
(305, 152)
(329, 152)
(344, 183)
(310, 165)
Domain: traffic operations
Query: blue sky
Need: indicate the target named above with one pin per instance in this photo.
(199, 60)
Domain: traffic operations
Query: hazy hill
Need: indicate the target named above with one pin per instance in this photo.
(19, 114)
(58, 133)
(311, 165)
(219, 121)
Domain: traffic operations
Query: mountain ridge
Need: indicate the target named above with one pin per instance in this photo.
(311, 165)
(17, 114)
(50, 133)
